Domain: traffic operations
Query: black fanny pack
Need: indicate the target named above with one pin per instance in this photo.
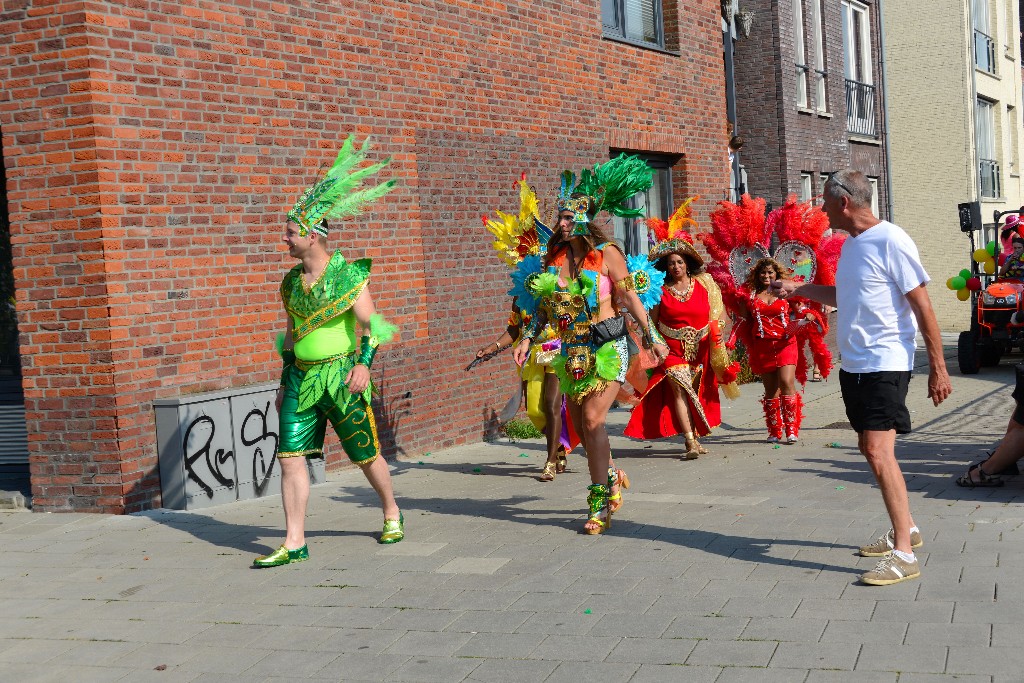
(607, 330)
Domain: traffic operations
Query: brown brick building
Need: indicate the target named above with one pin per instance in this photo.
(151, 149)
(809, 96)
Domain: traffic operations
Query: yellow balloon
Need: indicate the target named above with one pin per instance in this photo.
(963, 294)
(949, 284)
(981, 255)
(990, 266)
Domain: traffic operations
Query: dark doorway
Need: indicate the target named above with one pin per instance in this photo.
(14, 472)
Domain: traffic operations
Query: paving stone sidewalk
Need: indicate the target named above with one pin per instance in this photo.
(739, 566)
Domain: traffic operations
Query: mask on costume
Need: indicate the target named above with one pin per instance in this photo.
(579, 361)
(566, 308)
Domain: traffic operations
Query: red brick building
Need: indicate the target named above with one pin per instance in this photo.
(809, 96)
(151, 149)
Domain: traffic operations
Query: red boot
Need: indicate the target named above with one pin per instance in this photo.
(792, 416)
(773, 418)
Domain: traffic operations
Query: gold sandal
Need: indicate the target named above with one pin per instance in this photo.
(693, 448)
(616, 478)
(561, 462)
(549, 471)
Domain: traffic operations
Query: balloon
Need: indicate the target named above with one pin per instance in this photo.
(991, 248)
(990, 266)
(963, 294)
(957, 282)
(974, 284)
(981, 255)
(949, 283)
(964, 274)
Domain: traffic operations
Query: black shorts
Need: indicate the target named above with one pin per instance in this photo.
(876, 401)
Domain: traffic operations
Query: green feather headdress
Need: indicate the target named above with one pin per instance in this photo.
(614, 182)
(340, 193)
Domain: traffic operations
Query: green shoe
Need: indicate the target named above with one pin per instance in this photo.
(394, 530)
(282, 556)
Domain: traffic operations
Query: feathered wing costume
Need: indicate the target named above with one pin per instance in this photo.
(740, 241)
(522, 237)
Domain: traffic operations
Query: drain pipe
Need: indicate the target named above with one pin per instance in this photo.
(885, 112)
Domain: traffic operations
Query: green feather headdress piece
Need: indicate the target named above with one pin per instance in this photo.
(607, 186)
(340, 192)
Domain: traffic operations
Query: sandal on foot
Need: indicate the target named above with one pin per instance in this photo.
(561, 463)
(616, 478)
(600, 519)
(549, 471)
(693, 447)
(983, 480)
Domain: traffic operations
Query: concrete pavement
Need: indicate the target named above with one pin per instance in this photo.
(739, 566)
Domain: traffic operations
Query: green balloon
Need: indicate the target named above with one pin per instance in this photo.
(991, 248)
(959, 282)
(965, 274)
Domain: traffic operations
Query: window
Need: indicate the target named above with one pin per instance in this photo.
(860, 89)
(636, 21)
(801, 53)
(1013, 125)
(631, 233)
(822, 179)
(874, 195)
(985, 144)
(805, 186)
(820, 75)
(984, 46)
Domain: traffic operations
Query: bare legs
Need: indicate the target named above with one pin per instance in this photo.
(589, 419)
(552, 402)
(295, 495)
(879, 448)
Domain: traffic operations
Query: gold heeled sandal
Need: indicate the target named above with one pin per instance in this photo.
(561, 463)
(549, 471)
(616, 478)
(693, 448)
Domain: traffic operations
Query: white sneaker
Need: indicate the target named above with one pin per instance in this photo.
(791, 439)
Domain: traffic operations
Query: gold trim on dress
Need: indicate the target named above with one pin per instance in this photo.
(689, 380)
(690, 337)
(296, 454)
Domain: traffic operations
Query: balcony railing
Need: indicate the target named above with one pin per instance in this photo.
(860, 108)
(989, 172)
(984, 52)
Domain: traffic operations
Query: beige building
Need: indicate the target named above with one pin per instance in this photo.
(953, 75)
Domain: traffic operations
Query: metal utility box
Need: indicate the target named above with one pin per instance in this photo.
(219, 447)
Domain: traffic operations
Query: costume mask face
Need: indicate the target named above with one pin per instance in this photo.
(579, 361)
(580, 207)
(565, 308)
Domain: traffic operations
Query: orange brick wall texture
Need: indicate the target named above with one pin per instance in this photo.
(152, 148)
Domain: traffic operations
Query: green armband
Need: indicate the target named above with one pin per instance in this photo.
(367, 350)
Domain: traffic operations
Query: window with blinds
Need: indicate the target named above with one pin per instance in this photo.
(636, 21)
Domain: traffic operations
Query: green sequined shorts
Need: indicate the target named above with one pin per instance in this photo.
(302, 434)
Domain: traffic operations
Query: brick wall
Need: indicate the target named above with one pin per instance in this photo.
(151, 149)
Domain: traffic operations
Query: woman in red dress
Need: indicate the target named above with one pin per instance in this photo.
(772, 348)
(682, 395)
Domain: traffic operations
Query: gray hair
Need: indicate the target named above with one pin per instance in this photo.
(851, 184)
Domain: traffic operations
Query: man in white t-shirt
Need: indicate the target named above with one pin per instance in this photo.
(881, 296)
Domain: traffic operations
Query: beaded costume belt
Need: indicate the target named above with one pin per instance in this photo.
(689, 336)
(305, 365)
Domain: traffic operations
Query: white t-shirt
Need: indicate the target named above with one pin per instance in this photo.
(875, 326)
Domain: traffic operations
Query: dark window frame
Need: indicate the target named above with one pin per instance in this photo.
(634, 230)
(617, 31)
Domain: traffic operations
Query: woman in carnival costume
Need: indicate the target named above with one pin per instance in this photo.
(518, 237)
(326, 371)
(682, 396)
(574, 287)
(775, 331)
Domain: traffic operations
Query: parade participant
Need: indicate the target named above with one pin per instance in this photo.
(772, 349)
(774, 333)
(880, 291)
(682, 395)
(520, 236)
(1013, 266)
(581, 268)
(326, 374)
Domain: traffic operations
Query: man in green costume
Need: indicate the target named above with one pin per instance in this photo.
(326, 374)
